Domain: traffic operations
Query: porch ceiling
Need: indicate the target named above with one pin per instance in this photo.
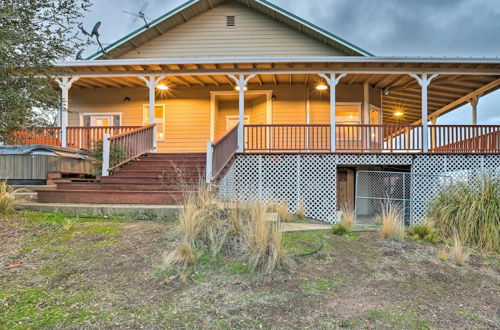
(458, 79)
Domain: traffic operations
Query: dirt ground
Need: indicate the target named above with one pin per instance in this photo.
(61, 272)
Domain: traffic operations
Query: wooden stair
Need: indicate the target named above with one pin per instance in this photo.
(155, 178)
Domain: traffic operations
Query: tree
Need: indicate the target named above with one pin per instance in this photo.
(34, 35)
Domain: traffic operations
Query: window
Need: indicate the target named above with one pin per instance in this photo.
(100, 119)
(159, 116)
(232, 121)
(230, 21)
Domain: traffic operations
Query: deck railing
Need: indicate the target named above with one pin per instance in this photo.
(220, 153)
(316, 138)
(81, 137)
(122, 148)
(465, 138)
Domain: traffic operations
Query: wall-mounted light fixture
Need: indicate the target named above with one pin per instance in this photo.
(126, 99)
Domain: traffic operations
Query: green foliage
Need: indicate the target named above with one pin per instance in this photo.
(116, 153)
(424, 231)
(317, 286)
(34, 34)
(471, 210)
(341, 229)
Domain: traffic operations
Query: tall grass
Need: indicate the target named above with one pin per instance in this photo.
(208, 226)
(348, 214)
(457, 252)
(7, 200)
(472, 210)
(391, 218)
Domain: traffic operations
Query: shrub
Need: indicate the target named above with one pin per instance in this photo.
(392, 221)
(341, 229)
(207, 226)
(471, 209)
(115, 154)
(424, 231)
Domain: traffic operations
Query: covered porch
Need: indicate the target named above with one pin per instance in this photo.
(277, 105)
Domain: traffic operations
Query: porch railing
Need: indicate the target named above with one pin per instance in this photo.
(465, 138)
(122, 148)
(220, 153)
(84, 137)
(316, 138)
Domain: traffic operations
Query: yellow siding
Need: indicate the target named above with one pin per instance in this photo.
(188, 110)
(254, 35)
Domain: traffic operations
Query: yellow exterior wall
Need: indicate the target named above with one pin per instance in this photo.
(188, 109)
(254, 35)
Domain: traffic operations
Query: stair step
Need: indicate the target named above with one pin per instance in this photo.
(127, 186)
(148, 180)
(163, 166)
(157, 173)
(111, 196)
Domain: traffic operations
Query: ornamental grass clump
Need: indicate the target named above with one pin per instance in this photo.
(424, 231)
(7, 200)
(472, 210)
(391, 219)
(207, 226)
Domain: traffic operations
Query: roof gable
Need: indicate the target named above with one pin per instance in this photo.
(193, 8)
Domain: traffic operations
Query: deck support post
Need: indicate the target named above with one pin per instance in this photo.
(332, 79)
(151, 82)
(241, 83)
(208, 166)
(105, 154)
(473, 102)
(424, 80)
(65, 83)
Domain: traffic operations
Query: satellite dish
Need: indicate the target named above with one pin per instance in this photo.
(140, 14)
(79, 55)
(95, 30)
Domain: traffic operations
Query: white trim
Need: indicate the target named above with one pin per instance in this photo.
(163, 105)
(213, 110)
(300, 59)
(81, 114)
(233, 117)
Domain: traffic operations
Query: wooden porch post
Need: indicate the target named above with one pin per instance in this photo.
(473, 102)
(333, 80)
(424, 80)
(241, 82)
(65, 84)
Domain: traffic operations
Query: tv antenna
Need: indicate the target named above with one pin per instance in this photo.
(140, 14)
(94, 33)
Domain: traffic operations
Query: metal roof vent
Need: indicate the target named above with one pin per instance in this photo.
(230, 21)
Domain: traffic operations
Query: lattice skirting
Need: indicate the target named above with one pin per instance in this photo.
(311, 178)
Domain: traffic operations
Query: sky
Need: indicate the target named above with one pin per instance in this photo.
(451, 28)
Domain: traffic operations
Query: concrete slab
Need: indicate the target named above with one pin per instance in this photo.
(136, 211)
(294, 226)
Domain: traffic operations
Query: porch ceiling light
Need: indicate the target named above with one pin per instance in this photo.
(238, 88)
(321, 87)
(398, 113)
(162, 87)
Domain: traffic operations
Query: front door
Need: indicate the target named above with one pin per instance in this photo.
(345, 187)
(159, 119)
(101, 120)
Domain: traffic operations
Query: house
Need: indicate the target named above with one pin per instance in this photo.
(271, 107)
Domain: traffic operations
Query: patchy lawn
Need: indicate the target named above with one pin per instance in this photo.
(88, 272)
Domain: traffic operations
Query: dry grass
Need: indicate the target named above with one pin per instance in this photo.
(348, 214)
(283, 213)
(457, 252)
(392, 221)
(443, 254)
(7, 200)
(301, 211)
(472, 210)
(207, 226)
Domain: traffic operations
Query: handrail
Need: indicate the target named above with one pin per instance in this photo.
(126, 146)
(465, 138)
(220, 152)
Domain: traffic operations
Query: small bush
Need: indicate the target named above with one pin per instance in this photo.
(471, 209)
(341, 229)
(115, 154)
(348, 214)
(457, 252)
(424, 231)
(392, 221)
